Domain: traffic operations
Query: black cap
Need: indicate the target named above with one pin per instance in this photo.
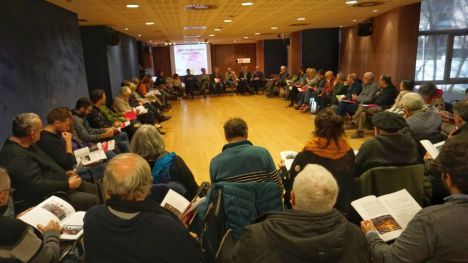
(388, 121)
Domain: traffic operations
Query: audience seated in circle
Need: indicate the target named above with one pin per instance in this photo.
(406, 87)
(353, 90)
(166, 167)
(432, 96)
(19, 242)
(131, 228)
(328, 147)
(313, 231)
(257, 80)
(389, 147)
(436, 233)
(34, 175)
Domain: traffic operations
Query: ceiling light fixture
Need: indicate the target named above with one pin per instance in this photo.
(351, 2)
(354, 20)
(247, 3)
(235, 41)
(126, 29)
(217, 29)
(149, 23)
(375, 10)
(194, 27)
(132, 6)
(139, 35)
(274, 27)
(211, 35)
(227, 20)
(257, 34)
(245, 37)
(300, 18)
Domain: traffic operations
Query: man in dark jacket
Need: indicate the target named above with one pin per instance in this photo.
(131, 228)
(389, 147)
(35, 176)
(311, 232)
(384, 99)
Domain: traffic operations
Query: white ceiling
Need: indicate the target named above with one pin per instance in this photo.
(170, 17)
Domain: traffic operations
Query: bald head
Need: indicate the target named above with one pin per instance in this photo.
(368, 78)
(128, 177)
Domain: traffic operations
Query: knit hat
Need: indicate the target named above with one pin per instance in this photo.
(388, 121)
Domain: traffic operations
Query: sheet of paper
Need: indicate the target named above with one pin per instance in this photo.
(175, 202)
(73, 226)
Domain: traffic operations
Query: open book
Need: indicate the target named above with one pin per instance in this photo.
(288, 158)
(180, 206)
(57, 209)
(432, 149)
(141, 110)
(390, 213)
(95, 154)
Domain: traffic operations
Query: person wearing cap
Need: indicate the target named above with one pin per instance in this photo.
(389, 147)
(436, 233)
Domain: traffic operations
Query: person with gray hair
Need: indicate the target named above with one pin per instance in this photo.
(313, 231)
(7, 207)
(35, 175)
(130, 227)
(167, 167)
(422, 124)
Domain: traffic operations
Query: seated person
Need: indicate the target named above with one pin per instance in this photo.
(244, 81)
(84, 132)
(19, 242)
(369, 90)
(204, 82)
(230, 79)
(242, 161)
(389, 147)
(432, 96)
(217, 82)
(436, 233)
(166, 166)
(298, 84)
(56, 139)
(315, 89)
(190, 82)
(339, 87)
(131, 228)
(257, 80)
(383, 99)
(153, 115)
(307, 89)
(422, 124)
(353, 90)
(323, 99)
(328, 147)
(150, 97)
(406, 87)
(35, 176)
(311, 232)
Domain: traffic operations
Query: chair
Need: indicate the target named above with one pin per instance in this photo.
(232, 206)
(385, 180)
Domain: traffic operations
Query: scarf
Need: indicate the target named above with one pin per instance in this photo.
(318, 146)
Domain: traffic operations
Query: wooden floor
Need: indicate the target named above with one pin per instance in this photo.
(195, 131)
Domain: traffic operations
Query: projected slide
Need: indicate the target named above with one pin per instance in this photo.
(193, 57)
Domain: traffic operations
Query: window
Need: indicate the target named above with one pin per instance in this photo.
(442, 56)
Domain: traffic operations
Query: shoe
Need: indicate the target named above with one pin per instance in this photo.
(350, 126)
(305, 109)
(289, 106)
(358, 135)
(164, 118)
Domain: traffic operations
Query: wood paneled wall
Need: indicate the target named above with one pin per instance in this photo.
(224, 56)
(260, 55)
(295, 59)
(162, 60)
(391, 48)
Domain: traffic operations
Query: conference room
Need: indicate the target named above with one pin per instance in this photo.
(233, 130)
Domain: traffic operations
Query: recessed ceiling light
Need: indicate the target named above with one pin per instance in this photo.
(235, 41)
(375, 10)
(151, 41)
(194, 27)
(257, 34)
(245, 37)
(211, 35)
(217, 29)
(351, 2)
(341, 26)
(247, 3)
(300, 18)
(126, 29)
(132, 6)
(149, 23)
(354, 20)
(227, 20)
(139, 35)
(274, 27)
